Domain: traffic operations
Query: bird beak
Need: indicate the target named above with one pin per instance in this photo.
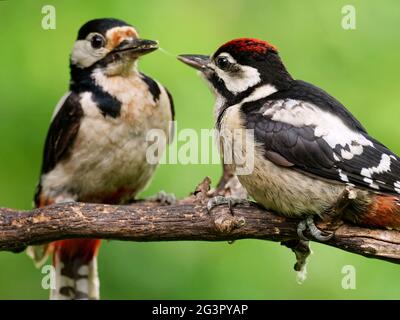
(197, 61)
(138, 46)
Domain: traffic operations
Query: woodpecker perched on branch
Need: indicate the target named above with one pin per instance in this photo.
(309, 150)
(95, 149)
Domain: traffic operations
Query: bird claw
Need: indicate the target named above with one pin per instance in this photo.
(164, 198)
(309, 224)
(220, 200)
(64, 200)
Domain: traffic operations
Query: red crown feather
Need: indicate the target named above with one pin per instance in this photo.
(249, 45)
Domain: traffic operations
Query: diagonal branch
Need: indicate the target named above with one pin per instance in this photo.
(187, 219)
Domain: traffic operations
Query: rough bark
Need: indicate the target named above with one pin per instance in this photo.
(187, 219)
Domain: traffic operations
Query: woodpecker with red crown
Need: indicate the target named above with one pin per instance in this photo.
(96, 145)
(309, 150)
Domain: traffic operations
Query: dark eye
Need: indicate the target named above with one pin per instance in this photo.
(223, 63)
(97, 41)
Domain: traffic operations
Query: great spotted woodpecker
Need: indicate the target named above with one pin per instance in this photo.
(308, 148)
(95, 149)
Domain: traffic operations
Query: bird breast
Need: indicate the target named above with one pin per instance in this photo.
(109, 155)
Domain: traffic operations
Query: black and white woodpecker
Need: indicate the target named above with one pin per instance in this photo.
(309, 150)
(96, 145)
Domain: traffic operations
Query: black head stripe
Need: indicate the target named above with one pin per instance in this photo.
(108, 105)
(171, 103)
(153, 86)
(82, 81)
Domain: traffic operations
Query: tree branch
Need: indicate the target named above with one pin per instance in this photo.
(187, 219)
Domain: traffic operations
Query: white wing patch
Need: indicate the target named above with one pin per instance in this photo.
(343, 176)
(371, 183)
(326, 125)
(397, 186)
(383, 166)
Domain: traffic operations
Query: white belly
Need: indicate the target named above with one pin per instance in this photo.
(288, 192)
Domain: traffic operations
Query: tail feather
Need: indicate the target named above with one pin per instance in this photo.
(75, 262)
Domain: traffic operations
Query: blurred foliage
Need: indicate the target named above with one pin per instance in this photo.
(360, 67)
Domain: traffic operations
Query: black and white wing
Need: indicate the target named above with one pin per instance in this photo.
(62, 133)
(316, 141)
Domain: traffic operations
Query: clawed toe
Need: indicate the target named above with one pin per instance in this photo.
(220, 200)
(164, 198)
(309, 224)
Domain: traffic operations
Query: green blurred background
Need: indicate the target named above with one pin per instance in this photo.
(360, 67)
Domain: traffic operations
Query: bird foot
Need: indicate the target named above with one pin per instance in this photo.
(226, 222)
(64, 200)
(164, 198)
(309, 224)
(230, 201)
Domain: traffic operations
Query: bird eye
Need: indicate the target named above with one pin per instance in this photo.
(223, 63)
(97, 41)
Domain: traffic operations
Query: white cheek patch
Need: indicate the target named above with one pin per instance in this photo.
(247, 79)
(240, 81)
(84, 55)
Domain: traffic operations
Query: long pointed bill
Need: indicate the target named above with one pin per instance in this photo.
(137, 46)
(196, 61)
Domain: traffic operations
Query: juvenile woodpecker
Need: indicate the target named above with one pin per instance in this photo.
(95, 149)
(309, 150)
